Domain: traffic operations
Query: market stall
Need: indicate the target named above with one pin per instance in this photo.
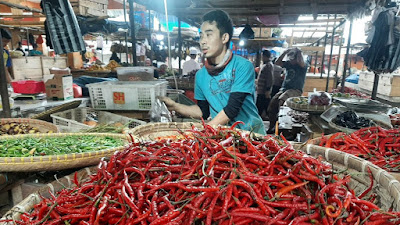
(96, 145)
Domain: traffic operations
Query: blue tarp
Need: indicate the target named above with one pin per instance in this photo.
(353, 78)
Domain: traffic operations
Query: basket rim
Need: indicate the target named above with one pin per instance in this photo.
(30, 121)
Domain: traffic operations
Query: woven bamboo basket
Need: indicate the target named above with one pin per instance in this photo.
(153, 131)
(44, 127)
(55, 186)
(56, 162)
(313, 109)
(385, 186)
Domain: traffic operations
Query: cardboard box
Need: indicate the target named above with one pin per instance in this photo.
(59, 87)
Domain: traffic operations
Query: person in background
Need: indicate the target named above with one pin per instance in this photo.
(35, 52)
(19, 48)
(191, 64)
(264, 83)
(115, 57)
(278, 78)
(292, 85)
(225, 86)
(6, 38)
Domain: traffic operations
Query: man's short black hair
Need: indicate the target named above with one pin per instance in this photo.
(223, 22)
(5, 34)
(266, 53)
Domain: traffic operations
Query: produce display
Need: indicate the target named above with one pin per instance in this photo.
(351, 120)
(300, 100)
(41, 146)
(395, 119)
(18, 128)
(375, 144)
(219, 176)
(320, 98)
(298, 117)
(107, 128)
(348, 93)
(96, 67)
(112, 65)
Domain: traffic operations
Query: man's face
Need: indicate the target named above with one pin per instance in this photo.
(5, 42)
(211, 42)
(266, 59)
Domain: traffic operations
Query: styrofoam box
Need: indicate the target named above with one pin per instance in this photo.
(126, 95)
(72, 120)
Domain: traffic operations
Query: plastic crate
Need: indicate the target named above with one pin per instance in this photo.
(28, 86)
(126, 95)
(72, 120)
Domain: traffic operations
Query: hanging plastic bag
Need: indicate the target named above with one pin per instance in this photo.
(159, 112)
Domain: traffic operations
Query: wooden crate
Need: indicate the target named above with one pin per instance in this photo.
(389, 84)
(35, 67)
(90, 7)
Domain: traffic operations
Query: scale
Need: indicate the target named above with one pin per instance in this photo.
(363, 105)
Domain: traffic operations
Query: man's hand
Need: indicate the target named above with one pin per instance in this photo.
(267, 94)
(171, 104)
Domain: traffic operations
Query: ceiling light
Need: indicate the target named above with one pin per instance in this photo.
(160, 37)
(241, 43)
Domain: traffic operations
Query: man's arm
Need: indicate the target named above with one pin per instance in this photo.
(231, 110)
(192, 111)
(279, 60)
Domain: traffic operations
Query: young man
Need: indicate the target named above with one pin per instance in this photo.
(6, 38)
(264, 83)
(225, 86)
(191, 64)
(292, 85)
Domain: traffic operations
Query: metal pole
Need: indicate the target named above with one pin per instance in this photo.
(330, 57)
(347, 56)
(338, 60)
(180, 44)
(316, 60)
(133, 37)
(120, 53)
(150, 42)
(169, 40)
(3, 84)
(126, 34)
(27, 38)
(375, 87)
(323, 53)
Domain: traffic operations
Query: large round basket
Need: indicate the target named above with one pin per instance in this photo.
(56, 162)
(43, 127)
(385, 187)
(153, 131)
(313, 109)
(349, 131)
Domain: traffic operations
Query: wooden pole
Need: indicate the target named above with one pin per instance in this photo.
(323, 53)
(3, 84)
(18, 6)
(180, 44)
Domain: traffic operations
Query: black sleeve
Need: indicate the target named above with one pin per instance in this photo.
(235, 103)
(205, 108)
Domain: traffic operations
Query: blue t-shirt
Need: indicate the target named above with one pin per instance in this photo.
(238, 76)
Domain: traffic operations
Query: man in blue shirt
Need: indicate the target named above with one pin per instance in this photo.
(6, 38)
(225, 86)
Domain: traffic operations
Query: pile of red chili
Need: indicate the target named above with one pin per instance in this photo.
(217, 176)
(375, 144)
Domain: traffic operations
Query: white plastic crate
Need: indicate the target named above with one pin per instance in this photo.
(126, 95)
(72, 120)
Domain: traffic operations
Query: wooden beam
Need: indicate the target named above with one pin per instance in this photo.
(18, 6)
(22, 16)
(23, 23)
(311, 48)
